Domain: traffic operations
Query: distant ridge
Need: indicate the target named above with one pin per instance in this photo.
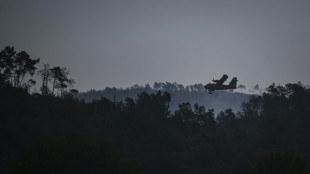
(218, 101)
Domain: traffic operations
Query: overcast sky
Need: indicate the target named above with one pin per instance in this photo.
(125, 42)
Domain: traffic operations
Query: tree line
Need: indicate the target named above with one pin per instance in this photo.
(18, 68)
(179, 94)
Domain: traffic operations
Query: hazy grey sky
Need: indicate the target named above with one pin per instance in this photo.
(125, 42)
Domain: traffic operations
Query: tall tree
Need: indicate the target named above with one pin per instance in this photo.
(14, 67)
(23, 65)
(6, 64)
(46, 76)
(60, 79)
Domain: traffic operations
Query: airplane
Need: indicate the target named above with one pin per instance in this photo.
(218, 84)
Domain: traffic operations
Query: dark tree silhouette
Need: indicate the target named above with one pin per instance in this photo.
(46, 76)
(23, 65)
(14, 67)
(59, 79)
(6, 64)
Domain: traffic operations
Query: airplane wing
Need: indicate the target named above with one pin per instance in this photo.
(222, 80)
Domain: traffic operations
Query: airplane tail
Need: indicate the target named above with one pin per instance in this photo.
(233, 82)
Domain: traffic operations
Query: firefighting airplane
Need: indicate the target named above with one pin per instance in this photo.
(218, 84)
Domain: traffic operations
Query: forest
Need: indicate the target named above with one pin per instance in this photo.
(54, 131)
